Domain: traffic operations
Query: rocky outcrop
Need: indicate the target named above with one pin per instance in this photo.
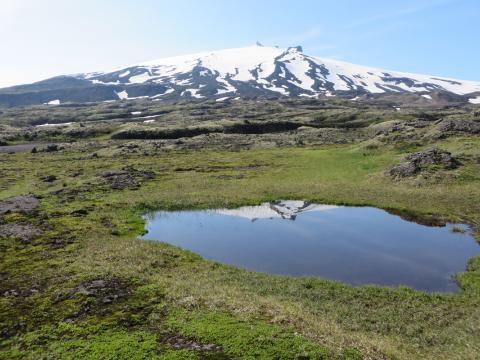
(416, 162)
(466, 126)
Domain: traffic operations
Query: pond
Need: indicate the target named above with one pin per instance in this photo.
(354, 245)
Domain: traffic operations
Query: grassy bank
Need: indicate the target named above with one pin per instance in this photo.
(157, 301)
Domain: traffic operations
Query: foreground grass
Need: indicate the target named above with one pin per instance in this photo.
(163, 291)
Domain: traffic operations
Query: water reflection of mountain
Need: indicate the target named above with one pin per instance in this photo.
(284, 209)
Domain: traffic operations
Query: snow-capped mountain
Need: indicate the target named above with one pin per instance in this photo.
(255, 71)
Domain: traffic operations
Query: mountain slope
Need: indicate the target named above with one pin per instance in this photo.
(255, 71)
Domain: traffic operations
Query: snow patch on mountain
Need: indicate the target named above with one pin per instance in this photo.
(122, 95)
(475, 100)
(53, 125)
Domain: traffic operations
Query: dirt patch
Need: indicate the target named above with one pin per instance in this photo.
(417, 162)
(22, 231)
(19, 204)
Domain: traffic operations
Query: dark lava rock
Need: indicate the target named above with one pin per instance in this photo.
(79, 212)
(71, 192)
(113, 173)
(126, 178)
(19, 204)
(122, 182)
(49, 178)
(149, 175)
(433, 156)
(22, 231)
(12, 330)
(12, 292)
(403, 169)
(76, 173)
(419, 124)
(470, 127)
(101, 292)
(415, 162)
(392, 129)
(4, 276)
(103, 288)
(179, 342)
(52, 148)
(146, 174)
(59, 242)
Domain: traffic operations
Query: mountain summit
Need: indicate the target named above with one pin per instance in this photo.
(249, 72)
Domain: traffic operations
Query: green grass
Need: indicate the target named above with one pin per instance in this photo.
(169, 291)
(458, 229)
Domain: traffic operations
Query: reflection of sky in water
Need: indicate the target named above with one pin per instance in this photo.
(356, 245)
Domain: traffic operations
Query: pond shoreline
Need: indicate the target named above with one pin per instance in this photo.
(224, 234)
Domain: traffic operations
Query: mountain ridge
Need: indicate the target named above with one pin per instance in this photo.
(249, 72)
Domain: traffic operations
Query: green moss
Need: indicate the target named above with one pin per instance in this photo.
(245, 339)
(181, 355)
(75, 342)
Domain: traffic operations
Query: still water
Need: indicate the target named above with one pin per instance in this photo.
(355, 245)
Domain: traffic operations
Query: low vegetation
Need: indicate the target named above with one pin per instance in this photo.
(83, 286)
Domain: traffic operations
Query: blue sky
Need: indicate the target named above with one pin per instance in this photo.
(43, 38)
